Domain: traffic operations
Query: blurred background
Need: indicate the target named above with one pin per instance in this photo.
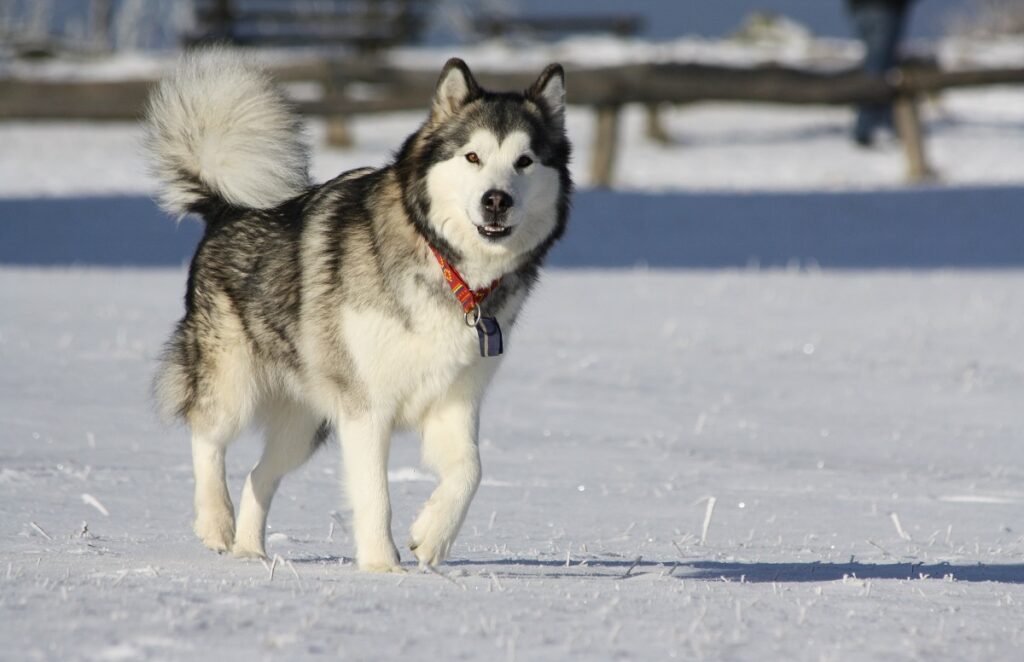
(159, 23)
(761, 132)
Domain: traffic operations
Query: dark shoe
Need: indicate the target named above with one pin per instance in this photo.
(863, 139)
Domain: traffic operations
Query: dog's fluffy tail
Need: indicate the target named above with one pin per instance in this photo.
(220, 133)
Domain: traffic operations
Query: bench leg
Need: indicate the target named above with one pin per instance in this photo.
(908, 126)
(606, 138)
(655, 128)
(338, 133)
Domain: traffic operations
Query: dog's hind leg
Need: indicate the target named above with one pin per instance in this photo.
(225, 394)
(293, 433)
(449, 448)
(365, 443)
(215, 518)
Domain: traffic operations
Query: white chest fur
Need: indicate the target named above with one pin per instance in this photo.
(409, 360)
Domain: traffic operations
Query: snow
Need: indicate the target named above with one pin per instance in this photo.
(810, 406)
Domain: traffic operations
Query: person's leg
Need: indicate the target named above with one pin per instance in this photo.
(880, 27)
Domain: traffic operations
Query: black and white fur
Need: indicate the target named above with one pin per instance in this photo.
(319, 307)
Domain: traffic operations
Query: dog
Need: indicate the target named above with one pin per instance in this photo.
(370, 303)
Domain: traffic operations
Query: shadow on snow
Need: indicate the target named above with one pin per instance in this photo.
(757, 572)
(912, 228)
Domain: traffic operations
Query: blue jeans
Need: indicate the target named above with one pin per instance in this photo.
(880, 26)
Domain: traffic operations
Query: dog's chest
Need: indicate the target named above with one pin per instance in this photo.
(409, 358)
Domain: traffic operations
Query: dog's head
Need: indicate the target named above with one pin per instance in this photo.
(486, 177)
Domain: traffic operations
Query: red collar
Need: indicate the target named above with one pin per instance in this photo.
(469, 298)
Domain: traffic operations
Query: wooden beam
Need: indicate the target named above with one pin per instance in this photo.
(65, 100)
(654, 126)
(339, 134)
(397, 89)
(624, 25)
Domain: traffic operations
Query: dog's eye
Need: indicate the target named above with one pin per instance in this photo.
(472, 157)
(523, 161)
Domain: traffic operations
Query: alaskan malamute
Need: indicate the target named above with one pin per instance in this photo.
(372, 302)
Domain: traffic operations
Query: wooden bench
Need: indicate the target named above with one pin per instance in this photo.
(363, 25)
(608, 89)
(358, 87)
(556, 26)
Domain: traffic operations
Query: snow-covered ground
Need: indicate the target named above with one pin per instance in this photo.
(859, 434)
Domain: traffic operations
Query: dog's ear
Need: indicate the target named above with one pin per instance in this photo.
(455, 87)
(550, 90)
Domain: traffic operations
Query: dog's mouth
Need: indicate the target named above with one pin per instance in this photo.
(494, 231)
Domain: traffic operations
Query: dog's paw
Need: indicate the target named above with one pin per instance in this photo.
(428, 554)
(248, 542)
(429, 541)
(242, 550)
(385, 560)
(217, 530)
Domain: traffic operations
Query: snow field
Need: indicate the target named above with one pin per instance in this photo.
(858, 432)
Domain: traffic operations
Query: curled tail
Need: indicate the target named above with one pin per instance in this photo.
(220, 133)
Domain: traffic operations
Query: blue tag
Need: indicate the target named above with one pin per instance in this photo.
(490, 336)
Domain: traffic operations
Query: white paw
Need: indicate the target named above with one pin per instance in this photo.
(216, 530)
(432, 538)
(247, 550)
(384, 560)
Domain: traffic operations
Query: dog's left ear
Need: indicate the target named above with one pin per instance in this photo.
(550, 90)
(455, 87)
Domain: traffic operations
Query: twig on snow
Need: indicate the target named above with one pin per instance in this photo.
(882, 549)
(432, 569)
(40, 531)
(271, 567)
(295, 573)
(634, 564)
(120, 577)
(899, 527)
(707, 520)
(90, 500)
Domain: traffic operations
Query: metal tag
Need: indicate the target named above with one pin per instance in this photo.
(490, 336)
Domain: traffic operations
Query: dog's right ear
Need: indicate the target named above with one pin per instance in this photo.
(455, 87)
(550, 89)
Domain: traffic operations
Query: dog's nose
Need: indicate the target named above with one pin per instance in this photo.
(496, 202)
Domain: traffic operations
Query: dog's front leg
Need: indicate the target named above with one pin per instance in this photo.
(450, 448)
(364, 444)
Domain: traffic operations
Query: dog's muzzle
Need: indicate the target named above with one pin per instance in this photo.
(495, 205)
